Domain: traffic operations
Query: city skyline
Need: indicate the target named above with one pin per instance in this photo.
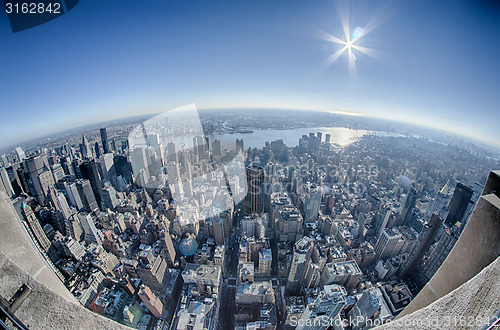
(437, 66)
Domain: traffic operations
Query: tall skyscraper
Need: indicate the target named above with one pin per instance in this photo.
(312, 202)
(327, 138)
(216, 148)
(440, 252)
(104, 140)
(407, 212)
(240, 145)
(458, 204)
(21, 155)
(168, 249)
(254, 201)
(440, 202)
(200, 146)
(382, 219)
(97, 150)
(172, 153)
(387, 244)
(86, 195)
(123, 168)
(152, 302)
(92, 235)
(40, 175)
(320, 136)
(108, 168)
(302, 252)
(366, 307)
(90, 172)
(85, 148)
(426, 238)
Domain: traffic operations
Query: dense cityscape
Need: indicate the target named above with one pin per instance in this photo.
(202, 234)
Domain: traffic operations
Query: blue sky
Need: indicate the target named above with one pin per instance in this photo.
(437, 62)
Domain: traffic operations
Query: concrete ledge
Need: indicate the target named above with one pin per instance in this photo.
(468, 307)
(45, 309)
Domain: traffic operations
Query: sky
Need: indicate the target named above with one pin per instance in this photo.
(434, 63)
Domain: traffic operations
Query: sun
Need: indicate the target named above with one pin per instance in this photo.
(351, 40)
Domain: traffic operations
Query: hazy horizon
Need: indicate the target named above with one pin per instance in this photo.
(105, 123)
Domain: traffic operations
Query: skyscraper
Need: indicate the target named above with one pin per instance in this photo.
(21, 155)
(440, 252)
(216, 148)
(172, 153)
(152, 302)
(458, 204)
(366, 307)
(327, 138)
(90, 172)
(104, 140)
(86, 195)
(302, 252)
(85, 148)
(108, 168)
(240, 145)
(92, 235)
(382, 219)
(406, 214)
(40, 175)
(254, 201)
(312, 202)
(440, 202)
(387, 244)
(427, 237)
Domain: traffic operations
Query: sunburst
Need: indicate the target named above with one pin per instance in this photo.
(351, 39)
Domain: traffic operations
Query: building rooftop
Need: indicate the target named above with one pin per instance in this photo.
(202, 272)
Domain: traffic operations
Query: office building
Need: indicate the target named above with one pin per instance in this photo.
(90, 172)
(324, 308)
(35, 227)
(21, 155)
(86, 195)
(458, 204)
(440, 252)
(383, 218)
(426, 238)
(389, 243)
(366, 308)
(312, 202)
(104, 141)
(216, 148)
(85, 148)
(408, 208)
(346, 273)
(92, 234)
(152, 302)
(302, 252)
(40, 177)
(254, 201)
(240, 147)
